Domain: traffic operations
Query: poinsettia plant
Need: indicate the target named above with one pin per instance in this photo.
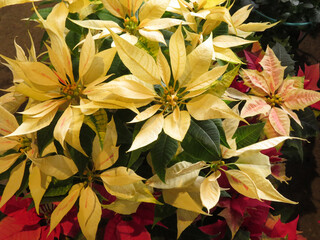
(147, 119)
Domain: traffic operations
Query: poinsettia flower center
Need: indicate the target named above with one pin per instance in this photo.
(131, 24)
(195, 7)
(71, 91)
(170, 99)
(274, 100)
(89, 175)
(25, 144)
(215, 165)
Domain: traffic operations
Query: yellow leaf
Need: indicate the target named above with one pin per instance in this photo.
(123, 206)
(57, 166)
(242, 183)
(30, 124)
(208, 106)
(38, 110)
(58, 63)
(198, 62)
(205, 80)
(160, 23)
(100, 66)
(227, 41)
(12, 100)
(150, 111)
(210, 191)
(14, 182)
(38, 184)
(153, 35)
(86, 55)
(256, 27)
(89, 214)
(184, 219)
(8, 122)
(40, 75)
(63, 125)
(111, 133)
(227, 55)
(254, 159)
(73, 134)
(153, 9)
(177, 124)
(55, 26)
(164, 68)
(124, 191)
(139, 62)
(177, 53)
(179, 175)
(143, 194)
(129, 86)
(265, 144)
(76, 6)
(114, 7)
(241, 15)
(264, 187)
(185, 198)
(5, 145)
(50, 148)
(35, 94)
(4, 3)
(149, 132)
(108, 155)
(120, 176)
(97, 24)
(65, 205)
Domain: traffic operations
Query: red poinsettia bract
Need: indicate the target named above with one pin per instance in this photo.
(21, 223)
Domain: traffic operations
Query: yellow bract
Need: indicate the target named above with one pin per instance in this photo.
(173, 106)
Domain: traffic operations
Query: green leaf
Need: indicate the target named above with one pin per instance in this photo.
(44, 12)
(162, 152)
(184, 156)
(309, 124)
(293, 150)
(284, 58)
(248, 134)
(193, 232)
(121, 117)
(58, 188)
(202, 140)
(104, 14)
(242, 235)
(72, 26)
(222, 29)
(162, 211)
(72, 39)
(223, 138)
(45, 135)
(134, 156)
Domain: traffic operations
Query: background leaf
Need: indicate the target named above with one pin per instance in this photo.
(162, 152)
(202, 140)
(248, 134)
